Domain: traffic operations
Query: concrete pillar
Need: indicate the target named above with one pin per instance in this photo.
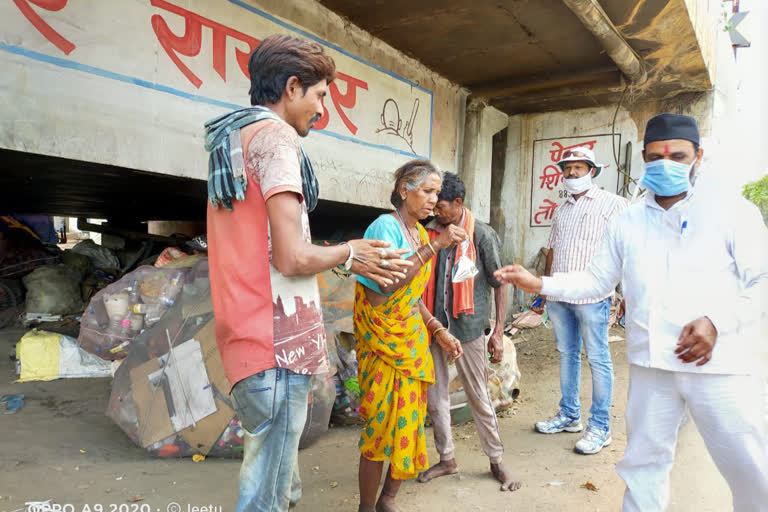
(515, 191)
(482, 123)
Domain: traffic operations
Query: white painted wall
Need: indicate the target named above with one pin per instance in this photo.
(98, 85)
(735, 148)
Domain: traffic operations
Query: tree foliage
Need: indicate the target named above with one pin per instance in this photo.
(757, 192)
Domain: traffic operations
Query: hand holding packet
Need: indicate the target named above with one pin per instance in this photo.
(464, 268)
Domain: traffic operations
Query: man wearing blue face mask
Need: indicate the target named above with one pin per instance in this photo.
(577, 228)
(695, 275)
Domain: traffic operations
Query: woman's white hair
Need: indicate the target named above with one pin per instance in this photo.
(412, 175)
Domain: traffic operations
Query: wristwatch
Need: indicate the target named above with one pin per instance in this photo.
(348, 263)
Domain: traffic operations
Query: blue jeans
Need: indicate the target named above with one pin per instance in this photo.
(589, 322)
(272, 406)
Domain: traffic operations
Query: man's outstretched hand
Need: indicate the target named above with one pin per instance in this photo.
(520, 277)
(373, 259)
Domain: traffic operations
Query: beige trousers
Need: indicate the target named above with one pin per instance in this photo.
(473, 372)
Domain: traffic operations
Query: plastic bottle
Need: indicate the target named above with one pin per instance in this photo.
(114, 331)
(152, 312)
(134, 295)
(114, 325)
(169, 292)
(137, 322)
(346, 373)
(125, 327)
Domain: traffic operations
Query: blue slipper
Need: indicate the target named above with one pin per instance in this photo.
(13, 403)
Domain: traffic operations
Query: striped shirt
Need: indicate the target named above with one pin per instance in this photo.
(577, 230)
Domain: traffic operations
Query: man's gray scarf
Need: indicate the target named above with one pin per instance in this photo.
(227, 180)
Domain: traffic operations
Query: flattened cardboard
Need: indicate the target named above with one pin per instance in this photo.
(212, 358)
(159, 425)
(209, 429)
(186, 384)
(151, 411)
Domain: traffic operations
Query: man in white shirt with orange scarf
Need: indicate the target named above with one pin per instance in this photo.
(463, 307)
(695, 275)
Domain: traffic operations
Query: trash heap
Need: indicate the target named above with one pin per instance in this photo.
(170, 394)
(503, 385)
(119, 312)
(337, 293)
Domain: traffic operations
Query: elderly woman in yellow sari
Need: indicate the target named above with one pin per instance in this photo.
(392, 329)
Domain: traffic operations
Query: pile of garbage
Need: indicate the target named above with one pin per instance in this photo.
(12, 296)
(21, 252)
(45, 287)
(170, 394)
(122, 310)
(337, 294)
(153, 328)
(503, 385)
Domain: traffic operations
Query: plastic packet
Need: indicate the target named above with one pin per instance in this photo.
(464, 268)
(545, 319)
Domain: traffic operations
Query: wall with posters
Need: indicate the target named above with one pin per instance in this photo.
(131, 84)
(532, 185)
(547, 191)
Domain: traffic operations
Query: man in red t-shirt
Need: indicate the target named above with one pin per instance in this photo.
(269, 325)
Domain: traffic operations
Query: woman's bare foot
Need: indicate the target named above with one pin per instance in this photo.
(509, 482)
(442, 468)
(386, 504)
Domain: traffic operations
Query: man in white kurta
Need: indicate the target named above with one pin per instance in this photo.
(694, 269)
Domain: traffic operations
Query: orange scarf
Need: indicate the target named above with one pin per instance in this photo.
(463, 293)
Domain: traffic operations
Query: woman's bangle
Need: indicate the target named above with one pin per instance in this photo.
(428, 256)
(439, 329)
(429, 324)
(434, 253)
(419, 256)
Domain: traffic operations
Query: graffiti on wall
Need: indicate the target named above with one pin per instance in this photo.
(210, 56)
(547, 190)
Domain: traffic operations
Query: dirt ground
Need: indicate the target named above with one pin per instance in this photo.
(62, 447)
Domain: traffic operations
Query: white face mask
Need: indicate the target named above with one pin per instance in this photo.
(578, 185)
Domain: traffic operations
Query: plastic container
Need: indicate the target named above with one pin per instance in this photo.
(137, 322)
(117, 305)
(135, 295)
(139, 298)
(152, 312)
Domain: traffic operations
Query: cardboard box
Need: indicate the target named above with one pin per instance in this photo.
(158, 409)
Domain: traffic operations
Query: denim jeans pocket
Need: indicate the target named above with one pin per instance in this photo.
(607, 303)
(255, 399)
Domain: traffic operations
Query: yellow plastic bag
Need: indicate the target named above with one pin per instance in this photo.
(38, 352)
(47, 356)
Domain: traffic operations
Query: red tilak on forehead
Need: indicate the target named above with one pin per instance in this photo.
(666, 149)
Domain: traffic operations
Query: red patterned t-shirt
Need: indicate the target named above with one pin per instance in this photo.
(263, 319)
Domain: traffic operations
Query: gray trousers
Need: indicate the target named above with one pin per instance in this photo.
(473, 372)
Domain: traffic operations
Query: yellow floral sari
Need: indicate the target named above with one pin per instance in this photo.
(394, 369)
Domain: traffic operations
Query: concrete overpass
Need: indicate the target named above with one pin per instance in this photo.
(103, 102)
